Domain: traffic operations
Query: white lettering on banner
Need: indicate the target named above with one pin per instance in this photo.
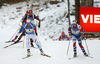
(96, 18)
(85, 19)
(91, 20)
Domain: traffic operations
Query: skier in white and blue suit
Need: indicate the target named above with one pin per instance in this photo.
(30, 30)
(76, 35)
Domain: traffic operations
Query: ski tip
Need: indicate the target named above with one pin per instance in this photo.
(90, 57)
(5, 47)
(27, 57)
(7, 41)
(47, 55)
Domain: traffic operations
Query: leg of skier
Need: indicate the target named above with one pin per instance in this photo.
(27, 44)
(74, 46)
(31, 42)
(37, 43)
(23, 34)
(82, 48)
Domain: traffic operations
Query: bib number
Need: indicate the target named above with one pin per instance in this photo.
(75, 32)
(29, 30)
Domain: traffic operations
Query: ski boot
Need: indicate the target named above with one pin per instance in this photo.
(75, 53)
(16, 41)
(85, 53)
(42, 53)
(28, 52)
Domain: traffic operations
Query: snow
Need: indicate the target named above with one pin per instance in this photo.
(57, 50)
(54, 22)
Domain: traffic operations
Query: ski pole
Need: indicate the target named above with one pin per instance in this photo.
(13, 35)
(87, 47)
(23, 42)
(11, 44)
(68, 47)
(39, 41)
(37, 20)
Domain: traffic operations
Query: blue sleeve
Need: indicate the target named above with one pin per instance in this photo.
(33, 25)
(22, 28)
(83, 31)
(71, 25)
(24, 17)
(69, 30)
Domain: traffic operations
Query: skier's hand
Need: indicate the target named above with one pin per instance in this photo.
(84, 37)
(70, 37)
(39, 25)
(36, 33)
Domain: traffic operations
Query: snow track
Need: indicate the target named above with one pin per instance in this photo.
(57, 51)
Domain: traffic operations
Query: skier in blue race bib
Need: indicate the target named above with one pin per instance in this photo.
(76, 35)
(31, 32)
(29, 14)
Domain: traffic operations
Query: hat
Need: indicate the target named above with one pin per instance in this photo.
(63, 33)
(74, 22)
(30, 11)
(28, 21)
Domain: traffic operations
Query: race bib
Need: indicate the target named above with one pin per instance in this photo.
(75, 32)
(29, 30)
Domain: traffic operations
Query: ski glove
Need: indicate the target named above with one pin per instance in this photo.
(70, 37)
(39, 25)
(36, 33)
(84, 37)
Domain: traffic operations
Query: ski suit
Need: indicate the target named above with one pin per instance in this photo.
(63, 37)
(76, 35)
(23, 20)
(31, 17)
(30, 33)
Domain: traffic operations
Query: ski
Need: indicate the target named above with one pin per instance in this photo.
(90, 57)
(11, 44)
(12, 41)
(8, 41)
(77, 56)
(32, 55)
(72, 57)
(46, 55)
(27, 57)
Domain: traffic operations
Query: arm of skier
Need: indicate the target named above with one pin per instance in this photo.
(21, 30)
(69, 31)
(35, 29)
(37, 19)
(24, 18)
(59, 38)
(84, 36)
(67, 37)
